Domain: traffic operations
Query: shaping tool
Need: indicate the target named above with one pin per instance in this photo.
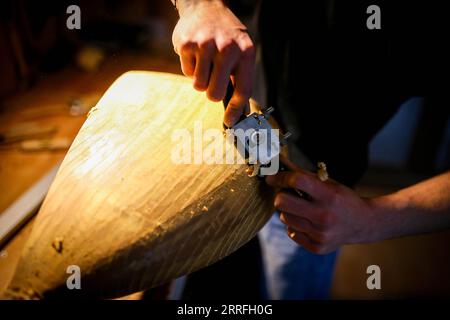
(255, 138)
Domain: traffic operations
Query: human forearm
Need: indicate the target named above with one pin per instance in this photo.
(182, 5)
(421, 208)
(336, 215)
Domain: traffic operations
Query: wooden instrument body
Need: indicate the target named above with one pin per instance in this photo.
(123, 212)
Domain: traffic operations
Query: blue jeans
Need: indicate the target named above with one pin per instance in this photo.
(290, 271)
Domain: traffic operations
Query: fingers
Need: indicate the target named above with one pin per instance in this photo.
(320, 217)
(214, 56)
(299, 224)
(309, 244)
(243, 85)
(204, 59)
(301, 180)
(187, 65)
(187, 58)
(224, 62)
(303, 240)
(294, 205)
(318, 237)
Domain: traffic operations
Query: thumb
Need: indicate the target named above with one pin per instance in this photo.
(235, 109)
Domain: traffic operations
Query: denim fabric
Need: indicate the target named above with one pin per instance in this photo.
(290, 271)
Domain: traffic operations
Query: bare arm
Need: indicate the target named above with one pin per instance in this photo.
(337, 215)
(421, 208)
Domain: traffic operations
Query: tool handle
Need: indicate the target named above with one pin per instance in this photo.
(228, 94)
(287, 165)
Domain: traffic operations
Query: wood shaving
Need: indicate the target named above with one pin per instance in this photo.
(322, 172)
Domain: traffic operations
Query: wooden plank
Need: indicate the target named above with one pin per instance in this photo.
(25, 206)
(126, 214)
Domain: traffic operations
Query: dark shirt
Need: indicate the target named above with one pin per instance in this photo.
(342, 81)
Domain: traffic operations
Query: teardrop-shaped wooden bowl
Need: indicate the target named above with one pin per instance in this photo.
(123, 212)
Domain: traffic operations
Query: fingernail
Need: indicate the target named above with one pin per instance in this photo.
(230, 121)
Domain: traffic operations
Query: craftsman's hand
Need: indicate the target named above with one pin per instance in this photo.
(336, 215)
(213, 46)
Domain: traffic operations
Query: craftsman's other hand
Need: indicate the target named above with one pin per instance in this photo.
(213, 46)
(336, 215)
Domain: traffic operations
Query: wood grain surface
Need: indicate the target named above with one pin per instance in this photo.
(122, 211)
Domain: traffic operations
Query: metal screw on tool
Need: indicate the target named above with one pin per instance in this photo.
(284, 138)
(267, 111)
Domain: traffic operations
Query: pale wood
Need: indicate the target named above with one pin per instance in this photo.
(122, 211)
